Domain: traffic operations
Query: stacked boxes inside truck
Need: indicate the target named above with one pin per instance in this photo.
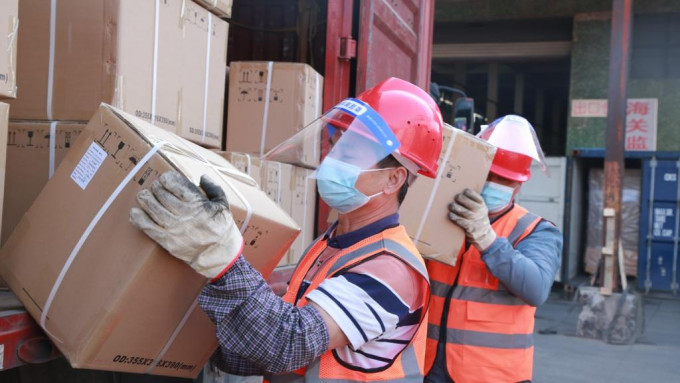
(270, 102)
(163, 61)
(105, 292)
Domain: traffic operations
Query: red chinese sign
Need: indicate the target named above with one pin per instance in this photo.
(641, 119)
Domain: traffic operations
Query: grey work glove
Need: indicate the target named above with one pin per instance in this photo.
(194, 227)
(470, 213)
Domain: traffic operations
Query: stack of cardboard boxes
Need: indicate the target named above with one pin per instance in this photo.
(9, 25)
(270, 102)
(162, 61)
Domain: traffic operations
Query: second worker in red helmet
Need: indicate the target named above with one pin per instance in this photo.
(481, 319)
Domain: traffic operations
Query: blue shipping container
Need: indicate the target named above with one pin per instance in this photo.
(659, 220)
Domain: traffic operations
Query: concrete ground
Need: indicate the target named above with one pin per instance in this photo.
(561, 356)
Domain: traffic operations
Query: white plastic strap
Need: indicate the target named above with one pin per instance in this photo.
(207, 77)
(53, 140)
(317, 113)
(278, 184)
(430, 200)
(265, 115)
(250, 164)
(171, 340)
(50, 68)
(88, 231)
(154, 81)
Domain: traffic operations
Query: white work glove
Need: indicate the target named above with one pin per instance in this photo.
(470, 213)
(194, 227)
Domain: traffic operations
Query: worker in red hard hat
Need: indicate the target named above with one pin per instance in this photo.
(356, 304)
(481, 319)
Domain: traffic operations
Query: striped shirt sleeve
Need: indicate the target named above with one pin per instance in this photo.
(378, 306)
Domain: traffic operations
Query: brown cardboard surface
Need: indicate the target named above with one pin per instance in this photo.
(221, 8)
(464, 163)
(121, 70)
(294, 100)
(303, 211)
(122, 298)
(277, 180)
(9, 35)
(30, 153)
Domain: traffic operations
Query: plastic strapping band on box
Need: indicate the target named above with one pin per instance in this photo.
(265, 115)
(430, 200)
(154, 81)
(170, 341)
(11, 48)
(249, 164)
(88, 230)
(50, 68)
(207, 78)
(317, 113)
(53, 140)
(279, 187)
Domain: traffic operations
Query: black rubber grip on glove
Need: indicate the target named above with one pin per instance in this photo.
(213, 191)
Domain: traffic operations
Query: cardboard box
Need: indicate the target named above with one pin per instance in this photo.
(273, 99)
(303, 212)
(107, 295)
(464, 163)
(277, 184)
(155, 65)
(9, 35)
(246, 163)
(34, 150)
(221, 8)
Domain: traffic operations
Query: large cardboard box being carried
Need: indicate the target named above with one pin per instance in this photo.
(9, 31)
(163, 61)
(34, 150)
(270, 102)
(109, 297)
(463, 163)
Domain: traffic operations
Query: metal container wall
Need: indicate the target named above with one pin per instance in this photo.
(658, 255)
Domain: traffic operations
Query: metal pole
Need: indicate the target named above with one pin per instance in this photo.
(622, 20)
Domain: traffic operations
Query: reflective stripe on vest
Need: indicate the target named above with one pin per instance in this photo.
(408, 366)
(487, 328)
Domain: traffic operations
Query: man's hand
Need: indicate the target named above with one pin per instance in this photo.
(470, 213)
(194, 227)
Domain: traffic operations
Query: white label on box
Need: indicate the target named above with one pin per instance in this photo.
(88, 165)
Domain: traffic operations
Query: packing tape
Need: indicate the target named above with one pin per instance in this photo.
(279, 185)
(265, 115)
(430, 200)
(11, 51)
(50, 67)
(207, 78)
(154, 81)
(88, 231)
(53, 140)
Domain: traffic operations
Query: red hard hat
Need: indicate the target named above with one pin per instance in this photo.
(414, 118)
(516, 146)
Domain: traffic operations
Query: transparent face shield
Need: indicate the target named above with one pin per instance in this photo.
(515, 134)
(358, 136)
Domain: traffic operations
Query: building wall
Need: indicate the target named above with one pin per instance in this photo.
(589, 79)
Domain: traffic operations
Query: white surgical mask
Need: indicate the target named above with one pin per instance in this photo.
(497, 196)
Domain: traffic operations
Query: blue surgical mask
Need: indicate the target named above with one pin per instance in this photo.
(497, 196)
(336, 183)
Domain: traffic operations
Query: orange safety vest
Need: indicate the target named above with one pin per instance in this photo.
(487, 330)
(409, 364)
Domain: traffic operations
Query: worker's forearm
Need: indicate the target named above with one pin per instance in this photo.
(255, 324)
(527, 271)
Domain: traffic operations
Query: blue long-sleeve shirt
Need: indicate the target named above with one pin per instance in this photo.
(528, 271)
